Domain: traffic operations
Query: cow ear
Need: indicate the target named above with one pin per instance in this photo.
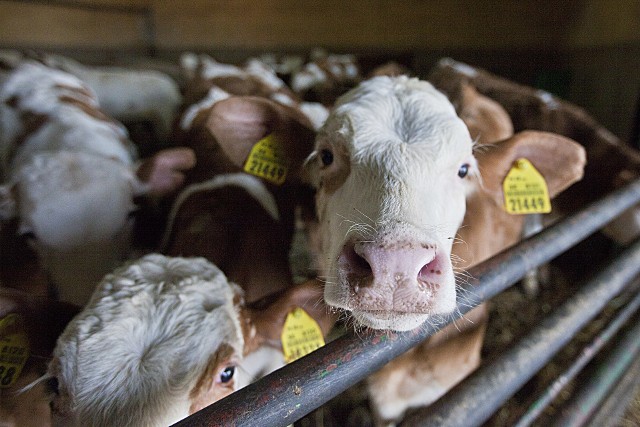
(8, 207)
(238, 123)
(163, 173)
(268, 316)
(559, 160)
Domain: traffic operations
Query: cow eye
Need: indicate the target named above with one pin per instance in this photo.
(464, 170)
(326, 156)
(227, 374)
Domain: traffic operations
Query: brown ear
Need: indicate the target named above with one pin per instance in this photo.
(163, 174)
(269, 320)
(560, 160)
(239, 122)
(487, 120)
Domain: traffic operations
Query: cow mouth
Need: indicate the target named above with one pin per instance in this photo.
(389, 320)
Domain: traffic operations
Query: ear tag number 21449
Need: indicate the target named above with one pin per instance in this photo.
(525, 190)
(267, 160)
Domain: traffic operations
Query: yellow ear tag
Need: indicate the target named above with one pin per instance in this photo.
(14, 349)
(525, 190)
(268, 160)
(300, 335)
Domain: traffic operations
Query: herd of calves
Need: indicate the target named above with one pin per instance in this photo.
(136, 290)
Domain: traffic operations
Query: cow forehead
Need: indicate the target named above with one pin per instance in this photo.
(386, 115)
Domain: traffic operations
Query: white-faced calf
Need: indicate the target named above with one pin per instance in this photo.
(392, 166)
(162, 338)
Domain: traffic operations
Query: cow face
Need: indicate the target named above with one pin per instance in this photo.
(390, 166)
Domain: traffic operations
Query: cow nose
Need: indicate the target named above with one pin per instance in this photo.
(403, 276)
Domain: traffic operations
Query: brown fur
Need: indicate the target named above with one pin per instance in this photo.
(238, 231)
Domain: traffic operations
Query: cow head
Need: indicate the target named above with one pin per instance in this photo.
(161, 338)
(391, 167)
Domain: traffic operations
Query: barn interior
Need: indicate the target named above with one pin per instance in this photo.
(585, 52)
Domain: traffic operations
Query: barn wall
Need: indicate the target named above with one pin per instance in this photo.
(587, 51)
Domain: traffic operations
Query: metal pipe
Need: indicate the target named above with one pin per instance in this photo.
(586, 355)
(584, 404)
(291, 392)
(484, 391)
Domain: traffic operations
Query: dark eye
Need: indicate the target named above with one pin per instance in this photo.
(227, 374)
(326, 156)
(464, 170)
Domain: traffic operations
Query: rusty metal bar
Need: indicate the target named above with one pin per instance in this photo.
(586, 355)
(484, 391)
(291, 392)
(584, 404)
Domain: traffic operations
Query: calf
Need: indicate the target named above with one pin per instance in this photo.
(392, 168)
(426, 372)
(231, 212)
(70, 176)
(611, 163)
(162, 338)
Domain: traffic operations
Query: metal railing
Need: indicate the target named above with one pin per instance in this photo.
(291, 392)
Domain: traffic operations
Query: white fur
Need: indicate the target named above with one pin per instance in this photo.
(405, 145)
(73, 178)
(310, 76)
(136, 351)
(460, 67)
(214, 95)
(128, 95)
(550, 100)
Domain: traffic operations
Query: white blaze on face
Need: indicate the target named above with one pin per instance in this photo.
(390, 165)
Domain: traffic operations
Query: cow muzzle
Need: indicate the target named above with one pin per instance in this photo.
(401, 280)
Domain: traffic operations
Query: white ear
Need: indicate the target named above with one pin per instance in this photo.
(8, 208)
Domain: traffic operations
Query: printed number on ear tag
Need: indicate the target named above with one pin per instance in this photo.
(300, 335)
(268, 160)
(525, 190)
(14, 349)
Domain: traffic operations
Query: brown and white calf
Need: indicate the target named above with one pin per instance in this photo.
(392, 169)
(611, 163)
(162, 338)
(232, 216)
(127, 95)
(71, 176)
(426, 372)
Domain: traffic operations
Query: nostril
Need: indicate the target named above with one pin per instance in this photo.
(430, 270)
(354, 262)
